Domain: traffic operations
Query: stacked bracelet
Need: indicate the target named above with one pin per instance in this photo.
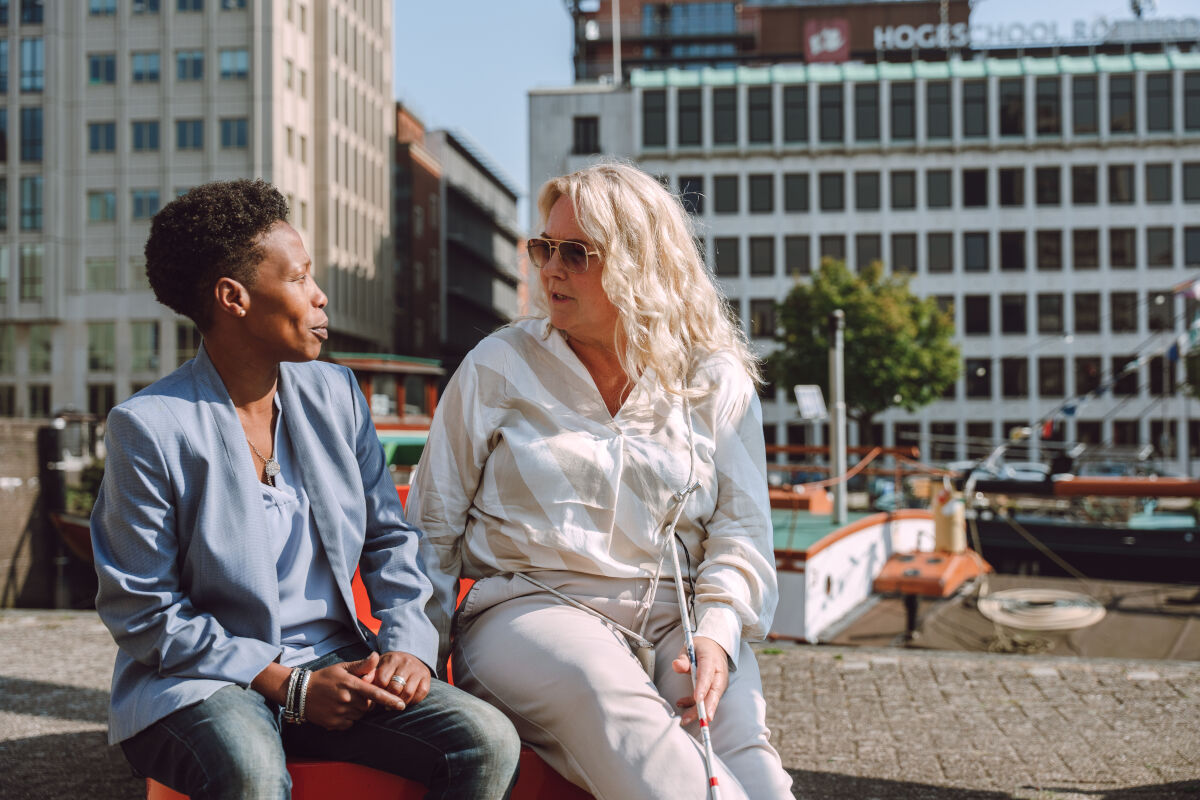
(297, 689)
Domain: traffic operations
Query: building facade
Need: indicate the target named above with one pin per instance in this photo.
(117, 106)
(1050, 202)
(417, 234)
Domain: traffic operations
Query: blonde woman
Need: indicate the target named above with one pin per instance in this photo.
(556, 476)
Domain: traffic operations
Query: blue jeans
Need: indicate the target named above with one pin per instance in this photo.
(232, 745)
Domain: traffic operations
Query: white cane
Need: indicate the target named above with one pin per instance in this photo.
(689, 644)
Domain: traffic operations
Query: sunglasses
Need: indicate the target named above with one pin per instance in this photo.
(574, 255)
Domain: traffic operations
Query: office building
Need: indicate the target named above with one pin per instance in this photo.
(115, 107)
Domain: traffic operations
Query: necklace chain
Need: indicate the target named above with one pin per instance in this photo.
(270, 465)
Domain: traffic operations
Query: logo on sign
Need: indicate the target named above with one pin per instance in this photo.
(826, 40)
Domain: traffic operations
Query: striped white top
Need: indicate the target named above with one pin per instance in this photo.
(526, 470)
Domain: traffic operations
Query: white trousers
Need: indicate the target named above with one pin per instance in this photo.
(577, 695)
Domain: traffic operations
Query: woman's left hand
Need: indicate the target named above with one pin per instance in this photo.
(404, 675)
(712, 677)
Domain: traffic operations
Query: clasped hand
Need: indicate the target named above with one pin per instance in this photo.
(712, 677)
(340, 694)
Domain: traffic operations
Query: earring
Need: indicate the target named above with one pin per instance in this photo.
(241, 312)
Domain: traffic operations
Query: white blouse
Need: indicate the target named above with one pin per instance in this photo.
(526, 470)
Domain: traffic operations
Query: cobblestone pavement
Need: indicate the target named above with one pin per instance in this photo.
(849, 723)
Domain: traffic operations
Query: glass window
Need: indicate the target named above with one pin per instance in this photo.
(725, 194)
(1120, 104)
(189, 5)
(100, 274)
(32, 136)
(796, 255)
(33, 65)
(762, 194)
(868, 248)
(1014, 378)
(235, 133)
(1052, 378)
(938, 188)
(41, 349)
(1161, 312)
(187, 342)
(1050, 313)
(762, 256)
(1012, 186)
(234, 63)
(1049, 106)
(102, 206)
(974, 110)
(102, 8)
(102, 68)
(189, 65)
(762, 318)
(101, 398)
(3, 66)
(1124, 312)
(102, 137)
(724, 116)
(1160, 247)
(795, 191)
(975, 191)
(144, 355)
(1087, 312)
(32, 258)
(189, 134)
(654, 118)
(31, 203)
(1083, 186)
(1012, 251)
(832, 246)
(937, 110)
(1085, 247)
(941, 252)
(904, 252)
(145, 136)
(1159, 113)
(866, 112)
(830, 102)
(1049, 250)
(1084, 110)
(975, 251)
(904, 190)
(689, 127)
(101, 346)
(233, 5)
(795, 113)
(691, 193)
(5, 278)
(1158, 183)
(979, 378)
(759, 112)
(725, 256)
(1191, 182)
(1012, 314)
(145, 203)
(1162, 374)
(145, 6)
(977, 314)
(4, 220)
(866, 191)
(833, 191)
(904, 112)
(1012, 107)
(1122, 247)
(1125, 384)
(8, 349)
(1120, 184)
(145, 67)
(1191, 246)
(1048, 186)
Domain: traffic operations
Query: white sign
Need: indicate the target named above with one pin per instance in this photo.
(1012, 34)
(810, 401)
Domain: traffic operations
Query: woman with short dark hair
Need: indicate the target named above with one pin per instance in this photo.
(240, 493)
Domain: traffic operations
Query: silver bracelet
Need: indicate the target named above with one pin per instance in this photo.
(291, 709)
(303, 695)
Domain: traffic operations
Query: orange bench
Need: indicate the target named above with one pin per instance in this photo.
(319, 780)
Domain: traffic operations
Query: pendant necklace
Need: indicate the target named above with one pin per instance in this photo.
(270, 465)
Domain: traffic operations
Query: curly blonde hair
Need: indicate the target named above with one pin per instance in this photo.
(670, 310)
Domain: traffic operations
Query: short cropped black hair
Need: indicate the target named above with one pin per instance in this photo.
(209, 233)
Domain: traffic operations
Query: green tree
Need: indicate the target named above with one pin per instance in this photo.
(899, 348)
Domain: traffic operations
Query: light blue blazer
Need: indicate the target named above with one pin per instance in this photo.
(188, 582)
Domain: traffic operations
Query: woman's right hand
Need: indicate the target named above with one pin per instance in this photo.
(339, 695)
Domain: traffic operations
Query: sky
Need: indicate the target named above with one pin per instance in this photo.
(469, 64)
